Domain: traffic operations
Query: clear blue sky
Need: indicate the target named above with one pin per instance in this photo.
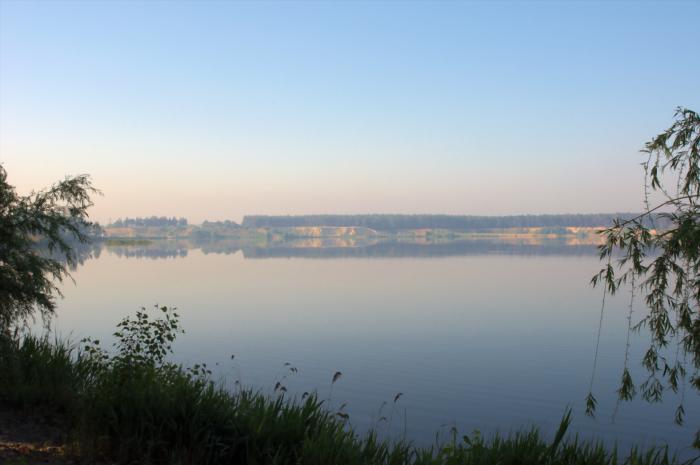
(216, 109)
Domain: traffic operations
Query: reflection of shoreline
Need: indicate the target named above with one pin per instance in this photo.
(395, 249)
(334, 248)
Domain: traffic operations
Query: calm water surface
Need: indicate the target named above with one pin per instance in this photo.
(488, 338)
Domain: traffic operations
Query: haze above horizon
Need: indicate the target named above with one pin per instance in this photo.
(213, 110)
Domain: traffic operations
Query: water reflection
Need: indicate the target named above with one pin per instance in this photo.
(488, 334)
(335, 248)
(405, 249)
(152, 249)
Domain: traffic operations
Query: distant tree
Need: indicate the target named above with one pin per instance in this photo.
(398, 222)
(661, 264)
(150, 222)
(56, 217)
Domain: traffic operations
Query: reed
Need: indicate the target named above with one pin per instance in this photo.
(130, 405)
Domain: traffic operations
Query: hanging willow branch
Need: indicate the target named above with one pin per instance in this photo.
(55, 218)
(657, 254)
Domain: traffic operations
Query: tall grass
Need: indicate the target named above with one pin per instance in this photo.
(132, 406)
(39, 372)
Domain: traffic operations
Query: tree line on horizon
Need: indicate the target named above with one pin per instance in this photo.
(384, 222)
(394, 222)
(152, 221)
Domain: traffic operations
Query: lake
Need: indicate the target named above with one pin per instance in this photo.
(477, 335)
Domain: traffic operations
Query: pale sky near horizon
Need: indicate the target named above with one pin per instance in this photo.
(213, 110)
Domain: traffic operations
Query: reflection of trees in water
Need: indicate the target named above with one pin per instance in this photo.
(406, 249)
(129, 252)
(82, 252)
(173, 249)
(177, 249)
(223, 246)
(153, 250)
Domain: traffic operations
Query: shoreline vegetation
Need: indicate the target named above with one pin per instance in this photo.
(278, 237)
(129, 404)
(364, 229)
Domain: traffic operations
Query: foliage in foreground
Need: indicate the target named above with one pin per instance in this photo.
(132, 405)
(58, 215)
(661, 264)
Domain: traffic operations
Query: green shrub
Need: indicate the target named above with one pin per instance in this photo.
(133, 406)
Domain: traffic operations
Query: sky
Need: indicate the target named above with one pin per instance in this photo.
(214, 110)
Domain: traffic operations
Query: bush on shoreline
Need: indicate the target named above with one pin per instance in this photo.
(131, 405)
